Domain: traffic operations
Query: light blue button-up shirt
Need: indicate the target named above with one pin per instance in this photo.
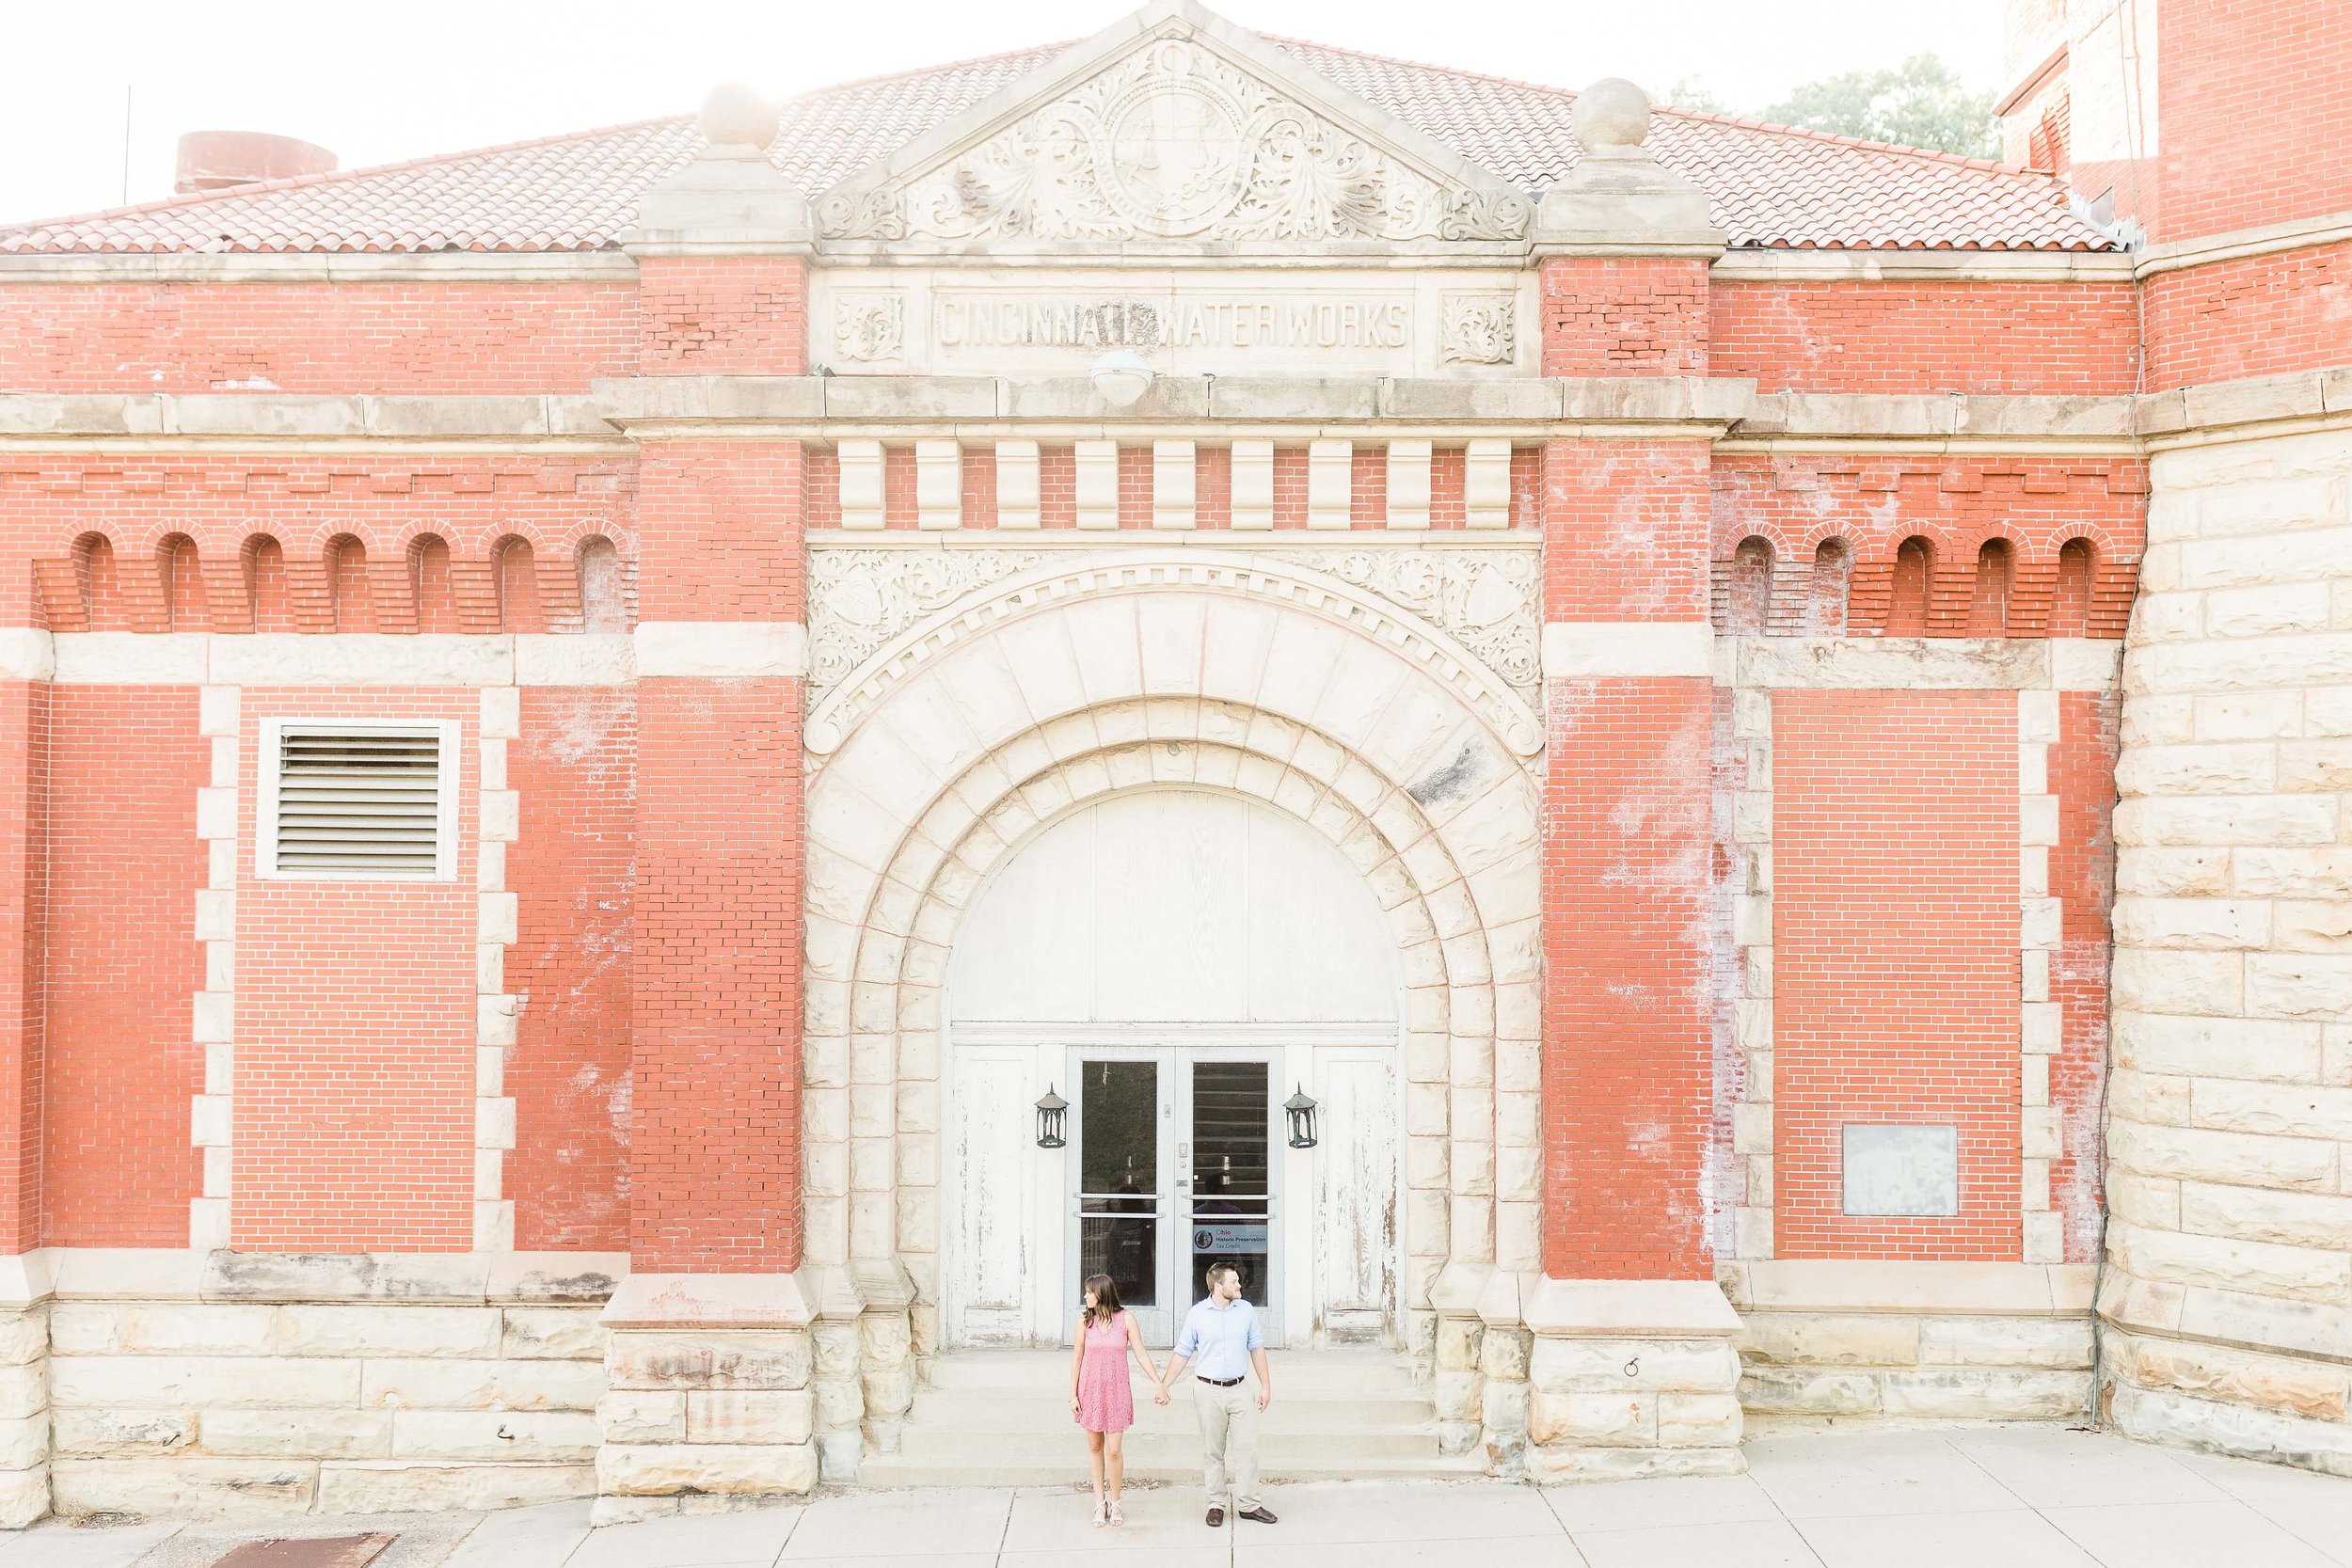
(1218, 1340)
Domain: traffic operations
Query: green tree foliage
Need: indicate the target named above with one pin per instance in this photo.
(1692, 92)
(1920, 104)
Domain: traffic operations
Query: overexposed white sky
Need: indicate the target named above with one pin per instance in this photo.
(381, 82)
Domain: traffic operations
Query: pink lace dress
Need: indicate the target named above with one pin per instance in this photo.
(1105, 1403)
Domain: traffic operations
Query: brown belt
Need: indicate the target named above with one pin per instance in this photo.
(1220, 1382)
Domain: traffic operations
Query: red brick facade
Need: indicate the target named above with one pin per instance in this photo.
(619, 867)
(1784, 684)
(1894, 934)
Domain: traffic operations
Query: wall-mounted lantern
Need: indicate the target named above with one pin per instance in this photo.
(1300, 1108)
(1050, 1112)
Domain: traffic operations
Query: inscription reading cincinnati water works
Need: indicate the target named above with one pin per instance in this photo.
(1375, 322)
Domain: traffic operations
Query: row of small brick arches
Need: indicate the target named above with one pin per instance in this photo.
(421, 588)
(1919, 590)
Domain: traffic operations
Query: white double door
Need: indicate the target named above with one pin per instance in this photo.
(1177, 1161)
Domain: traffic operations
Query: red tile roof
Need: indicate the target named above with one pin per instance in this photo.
(1770, 185)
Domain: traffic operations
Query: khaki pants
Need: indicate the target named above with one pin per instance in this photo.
(1229, 1442)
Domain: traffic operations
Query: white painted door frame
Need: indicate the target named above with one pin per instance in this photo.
(1178, 1288)
(1297, 1054)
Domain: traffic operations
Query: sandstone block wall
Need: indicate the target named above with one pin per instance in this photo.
(216, 1390)
(2227, 1308)
(1826, 1342)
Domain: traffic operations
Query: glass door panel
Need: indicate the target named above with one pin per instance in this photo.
(1121, 1195)
(1228, 1175)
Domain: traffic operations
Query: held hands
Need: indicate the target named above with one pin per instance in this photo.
(1159, 1393)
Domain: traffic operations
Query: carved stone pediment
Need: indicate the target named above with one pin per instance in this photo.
(1183, 139)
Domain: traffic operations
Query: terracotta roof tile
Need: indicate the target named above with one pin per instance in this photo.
(1769, 186)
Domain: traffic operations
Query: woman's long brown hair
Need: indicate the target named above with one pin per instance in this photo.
(1106, 1306)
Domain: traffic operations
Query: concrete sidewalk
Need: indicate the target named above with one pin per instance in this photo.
(2004, 1496)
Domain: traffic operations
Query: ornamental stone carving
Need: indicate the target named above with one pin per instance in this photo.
(1478, 329)
(869, 326)
(1487, 600)
(1176, 143)
(861, 599)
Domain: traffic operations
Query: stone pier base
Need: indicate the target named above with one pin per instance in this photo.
(708, 1403)
(23, 1391)
(1631, 1377)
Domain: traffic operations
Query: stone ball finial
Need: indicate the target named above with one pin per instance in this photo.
(735, 116)
(1612, 113)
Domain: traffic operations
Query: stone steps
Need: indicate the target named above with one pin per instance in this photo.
(1002, 1419)
(1294, 1410)
(1344, 1372)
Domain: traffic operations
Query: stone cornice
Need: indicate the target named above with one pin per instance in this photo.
(1919, 663)
(827, 407)
(447, 266)
(1923, 266)
(342, 660)
(173, 1274)
(2241, 410)
(1211, 409)
(1781, 420)
(620, 267)
(2296, 234)
(246, 418)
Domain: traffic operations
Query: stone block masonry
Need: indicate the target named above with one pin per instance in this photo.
(2228, 1307)
(710, 1405)
(190, 1383)
(1825, 1341)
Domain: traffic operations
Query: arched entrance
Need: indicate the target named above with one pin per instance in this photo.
(982, 724)
(1176, 962)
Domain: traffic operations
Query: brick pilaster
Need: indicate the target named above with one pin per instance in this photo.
(24, 766)
(715, 1138)
(1624, 315)
(1628, 866)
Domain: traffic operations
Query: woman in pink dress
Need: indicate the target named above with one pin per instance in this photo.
(1100, 1398)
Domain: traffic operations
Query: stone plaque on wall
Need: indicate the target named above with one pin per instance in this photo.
(1901, 1170)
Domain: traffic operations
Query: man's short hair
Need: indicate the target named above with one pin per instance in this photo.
(1208, 1280)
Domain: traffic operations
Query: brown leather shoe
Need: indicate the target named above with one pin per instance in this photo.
(1259, 1516)
(1216, 1518)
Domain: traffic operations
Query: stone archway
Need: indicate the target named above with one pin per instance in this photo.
(955, 740)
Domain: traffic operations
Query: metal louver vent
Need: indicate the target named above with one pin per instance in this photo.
(364, 802)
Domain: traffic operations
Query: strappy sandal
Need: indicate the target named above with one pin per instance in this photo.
(1098, 1519)
(1117, 1518)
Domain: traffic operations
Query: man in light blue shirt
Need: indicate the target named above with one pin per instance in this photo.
(1223, 1341)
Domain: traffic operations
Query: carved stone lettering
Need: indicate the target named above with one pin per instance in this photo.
(1357, 322)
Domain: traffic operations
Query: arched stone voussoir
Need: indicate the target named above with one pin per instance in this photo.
(1162, 752)
(1438, 1006)
(1234, 626)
